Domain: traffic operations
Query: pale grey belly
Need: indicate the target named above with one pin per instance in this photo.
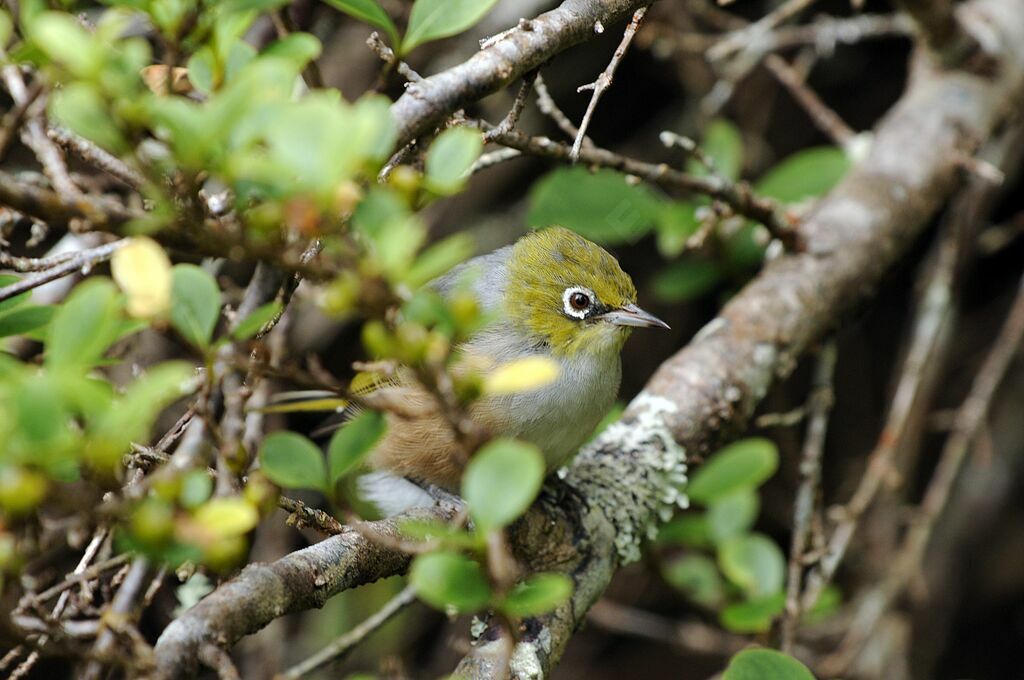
(561, 417)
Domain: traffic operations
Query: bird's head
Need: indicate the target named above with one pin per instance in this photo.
(572, 294)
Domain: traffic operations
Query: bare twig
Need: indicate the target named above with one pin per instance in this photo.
(13, 119)
(810, 477)
(969, 419)
(387, 55)
(120, 608)
(96, 156)
(827, 120)
(347, 642)
(508, 123)
(737, 195)
(493, 158)
(549, 108)
(744, 38)
(604, 81)
(34, 135)
(80, 261)
(303, 515)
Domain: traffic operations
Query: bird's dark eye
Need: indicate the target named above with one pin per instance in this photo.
(579, 301)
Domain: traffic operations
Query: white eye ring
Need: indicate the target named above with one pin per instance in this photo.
(567, 301)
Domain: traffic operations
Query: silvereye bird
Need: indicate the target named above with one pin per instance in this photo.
(553, 293)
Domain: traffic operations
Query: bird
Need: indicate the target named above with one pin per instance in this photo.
(551, 294)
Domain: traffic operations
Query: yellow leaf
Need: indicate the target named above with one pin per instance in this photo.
(143, 271)
(227, 516)
(522, 375)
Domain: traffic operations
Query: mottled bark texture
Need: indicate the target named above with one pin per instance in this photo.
(622, 484)
(428, 103)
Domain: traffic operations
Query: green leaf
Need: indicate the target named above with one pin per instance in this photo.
(80, 107)
(732, 514)
(753, 616)
(677, 222)
(292, 461)
(6, 27)
(690, 529)
(435, 530)
(825, 606)
(439, 258)
(601, 206)
(300, 48)
(64, 40)
(195, 303)
(25, 319)
(539, 594)
(353, 441)
(196, 487)
(753, 562)
(85, 325)
(501, 482)
(203, 70)
(697, 577)
(765, 664)
(747, 463)
(370, 12)
(450, 157)
(686, 279)
(435, 19)
(723, 144)
(450, 580)
(252, 324)
(806, 174)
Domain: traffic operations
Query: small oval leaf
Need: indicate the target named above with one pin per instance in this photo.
(450, 157)
(746, 463)
(435, 19)
(501, 482)
(539, 594)
(754, 563)
(450, 580)
(195, 303)
(522, 375)
(290, 460)
(761, 664)
(353, 441)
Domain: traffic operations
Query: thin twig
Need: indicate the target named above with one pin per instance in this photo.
(547, 106)
(303, 515)
(347, 642)
(737, 195)
(969, 420)
(826, 120)
(604, 80)
(13, 119)
(34, 135)
(508, 123)
(120, 607)
(810, 477)
(82, 260)
(96, 156)
(752, 35)
(387, 55)
(494, 158)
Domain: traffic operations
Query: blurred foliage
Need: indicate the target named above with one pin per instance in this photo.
(727, 567)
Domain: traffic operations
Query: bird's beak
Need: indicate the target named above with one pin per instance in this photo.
(631, 315)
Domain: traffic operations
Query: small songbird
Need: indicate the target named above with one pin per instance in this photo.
(552, 293)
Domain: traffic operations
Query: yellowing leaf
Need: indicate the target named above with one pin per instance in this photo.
(143, 271)
(227, 516)
(522, 375)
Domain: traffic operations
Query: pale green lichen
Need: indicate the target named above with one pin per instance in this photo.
(633, 473)
(525, 663)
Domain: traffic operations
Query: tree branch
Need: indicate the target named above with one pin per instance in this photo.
(426, 104)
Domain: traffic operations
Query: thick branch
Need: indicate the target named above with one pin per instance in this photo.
(263, 592)
(426, 104)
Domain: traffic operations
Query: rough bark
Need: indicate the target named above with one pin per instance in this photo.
(626, 481)
(426, 104)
